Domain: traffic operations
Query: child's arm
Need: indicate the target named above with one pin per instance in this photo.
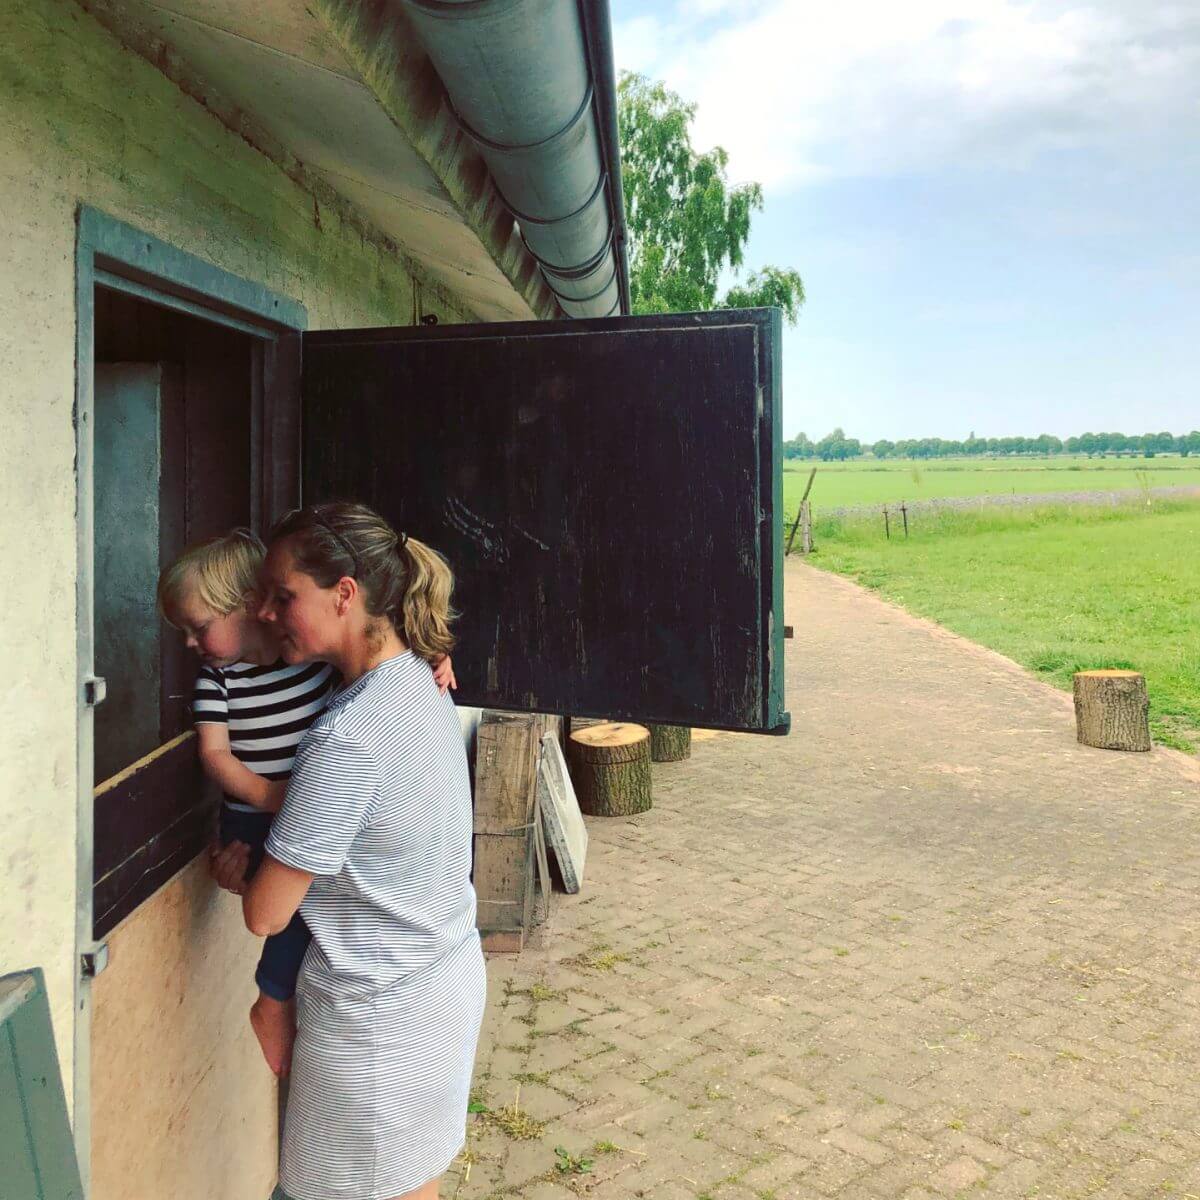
(234, 778)
(443, 674)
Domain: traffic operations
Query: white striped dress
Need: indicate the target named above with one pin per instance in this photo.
(391, 994)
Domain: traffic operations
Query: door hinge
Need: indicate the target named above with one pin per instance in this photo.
(94, 962)
(95, 688)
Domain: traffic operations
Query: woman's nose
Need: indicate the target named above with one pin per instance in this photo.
(191, 643)
(266, 611)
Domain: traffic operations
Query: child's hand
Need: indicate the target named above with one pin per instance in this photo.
(443, 674)
(228, 866)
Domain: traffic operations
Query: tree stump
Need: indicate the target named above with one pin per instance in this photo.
(610, 767)
(670, 743)
(1111, 710)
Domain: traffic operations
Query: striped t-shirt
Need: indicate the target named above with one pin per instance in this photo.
(267, 709)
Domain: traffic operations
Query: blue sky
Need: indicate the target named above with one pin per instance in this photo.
(995, 205)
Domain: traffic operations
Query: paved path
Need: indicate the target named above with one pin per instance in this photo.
(925, 946)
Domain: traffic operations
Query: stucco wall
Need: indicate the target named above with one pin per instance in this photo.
(83, 120)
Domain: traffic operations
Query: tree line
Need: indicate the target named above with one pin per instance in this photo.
(836, 446)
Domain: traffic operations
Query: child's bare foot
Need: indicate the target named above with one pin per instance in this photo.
(274, 1024)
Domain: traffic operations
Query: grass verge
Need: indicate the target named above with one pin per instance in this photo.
(1059, 589)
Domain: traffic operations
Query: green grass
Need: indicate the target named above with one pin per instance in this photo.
(1058, 589)
(869, 482)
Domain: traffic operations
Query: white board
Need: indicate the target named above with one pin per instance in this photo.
(469, 719)
(565, 831)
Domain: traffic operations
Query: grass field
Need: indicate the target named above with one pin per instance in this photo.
(1057, 588)
(889, 481)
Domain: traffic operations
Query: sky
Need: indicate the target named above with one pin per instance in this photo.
(994, 204)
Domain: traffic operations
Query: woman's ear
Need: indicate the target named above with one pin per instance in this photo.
(344, 592)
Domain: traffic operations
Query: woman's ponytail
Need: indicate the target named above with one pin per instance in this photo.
(425, 614)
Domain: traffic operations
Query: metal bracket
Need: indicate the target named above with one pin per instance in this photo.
(94, 962)
(95, 688)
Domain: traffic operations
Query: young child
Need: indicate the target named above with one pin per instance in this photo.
(250, 710)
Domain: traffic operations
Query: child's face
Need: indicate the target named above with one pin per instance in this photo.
(218, 640)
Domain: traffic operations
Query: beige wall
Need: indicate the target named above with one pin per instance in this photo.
(83, 120)
(182, 1103)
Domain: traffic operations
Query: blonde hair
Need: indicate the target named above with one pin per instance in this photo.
(222, 571)
(403, 580)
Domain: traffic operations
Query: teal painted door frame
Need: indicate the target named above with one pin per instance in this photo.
(114, 255)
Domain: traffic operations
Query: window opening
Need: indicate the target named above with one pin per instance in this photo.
(174, 460)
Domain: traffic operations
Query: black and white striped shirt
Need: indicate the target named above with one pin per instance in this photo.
(267, 710)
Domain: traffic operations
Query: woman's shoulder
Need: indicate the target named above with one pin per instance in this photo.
(396, 693)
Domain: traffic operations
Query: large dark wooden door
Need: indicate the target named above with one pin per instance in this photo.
(606, 491)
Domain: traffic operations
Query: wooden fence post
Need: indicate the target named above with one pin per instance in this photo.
(800, 513)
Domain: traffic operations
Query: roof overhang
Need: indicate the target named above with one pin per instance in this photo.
(342, 96)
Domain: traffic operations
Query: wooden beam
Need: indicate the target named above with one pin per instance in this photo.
(151, 820)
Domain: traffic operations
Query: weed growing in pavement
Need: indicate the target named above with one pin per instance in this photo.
(571, 1164)
(539, 992)
(599, 958)
(514, 1122)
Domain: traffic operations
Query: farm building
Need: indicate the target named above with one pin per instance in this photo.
(264, 253)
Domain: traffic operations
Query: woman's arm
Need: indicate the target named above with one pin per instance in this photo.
(273, 896)
(232, 777)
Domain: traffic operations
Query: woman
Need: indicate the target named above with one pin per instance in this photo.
(373, 843)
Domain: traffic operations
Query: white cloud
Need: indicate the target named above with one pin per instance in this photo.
(798, 90)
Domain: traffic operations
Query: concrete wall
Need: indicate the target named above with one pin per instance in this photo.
(83, 120)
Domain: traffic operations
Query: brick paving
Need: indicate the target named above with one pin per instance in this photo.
(925, 947)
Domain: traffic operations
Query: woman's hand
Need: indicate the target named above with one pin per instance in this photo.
(443, 674)
(228, 865)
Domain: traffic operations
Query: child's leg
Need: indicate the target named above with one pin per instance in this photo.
(274, 1024)
(249, 827)
(273, 1016)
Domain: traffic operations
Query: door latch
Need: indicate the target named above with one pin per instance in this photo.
(94, 962)
(95, 688)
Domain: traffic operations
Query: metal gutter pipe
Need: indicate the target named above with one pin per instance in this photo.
(531, 83)
(597, 25)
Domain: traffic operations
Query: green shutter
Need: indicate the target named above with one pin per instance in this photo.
(37, 1154)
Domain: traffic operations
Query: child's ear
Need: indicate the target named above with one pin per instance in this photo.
(253, 602)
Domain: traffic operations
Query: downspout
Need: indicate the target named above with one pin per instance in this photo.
(597, 28)
(532, 84)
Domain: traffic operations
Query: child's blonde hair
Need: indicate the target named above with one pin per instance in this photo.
(222, 571)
